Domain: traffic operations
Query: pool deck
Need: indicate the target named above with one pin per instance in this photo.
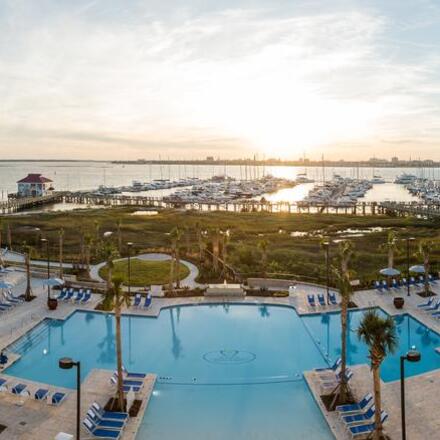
(37, 420)
(28, 419)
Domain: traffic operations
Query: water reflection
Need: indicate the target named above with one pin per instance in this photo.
(176, 346)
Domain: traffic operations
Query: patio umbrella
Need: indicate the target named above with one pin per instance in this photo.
(389, 272)
(417, 269)
(53, 282)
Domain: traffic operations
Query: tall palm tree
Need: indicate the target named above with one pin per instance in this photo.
(380, 336)
(109, 254)
(262, 246)
(9, 232)
(342, 274)
(200, 242)
(425, 249)
(176, 236)
(27, 264)
(61, 246)
(119, 229)
(215, 248)
(390, 246)
(115, 299)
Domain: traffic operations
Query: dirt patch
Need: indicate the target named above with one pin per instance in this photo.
(328, 399)
(112, 405)
(424, 294)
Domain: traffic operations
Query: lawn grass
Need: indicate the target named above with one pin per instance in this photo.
(296, 256)
(143, 272)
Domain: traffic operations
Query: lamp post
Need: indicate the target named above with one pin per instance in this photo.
(46, 241)
(129, 245)
(412, 356)
(326, 245)
(408, 241)
(68, 364)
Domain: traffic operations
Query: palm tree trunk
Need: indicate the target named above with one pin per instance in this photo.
(28, 292)
(9, 237)
(177, 268)
(172, 270)
(119, 355)
(343, 381)
(427, 277)
(61, 254)
(377, 435)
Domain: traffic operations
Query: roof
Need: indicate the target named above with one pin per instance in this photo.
(34, 178)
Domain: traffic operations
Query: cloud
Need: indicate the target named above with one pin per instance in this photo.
(106, 78)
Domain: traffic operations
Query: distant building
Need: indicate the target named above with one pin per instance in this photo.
(34, 185)
(395, 160)
(377, 160)
(210, 159)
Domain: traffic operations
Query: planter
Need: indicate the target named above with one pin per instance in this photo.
(398, 302)
(52, 303)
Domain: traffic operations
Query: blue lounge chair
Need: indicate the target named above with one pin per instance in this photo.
(62, 294)
(434, 307)
(377, 285)
(330, 386)
(137, 300)
(147, 302)
(3, 383)
(79, 296)
(334, 367)
(384, 285)
(421, 279)
(432, 279)
(311, 300)
(332, 298)
(127, 382)
(404, 281)
(426, 304)
(364, 430)
(57, 398)
(356, 407)
(41, 394)
(395, 284)
(69, 295)
(87, 296)
(129, 374)
(101, 433)
(99, 423)
(19, 389)
(11, 298)
(359, 418)
(321, 300)
(107, 415)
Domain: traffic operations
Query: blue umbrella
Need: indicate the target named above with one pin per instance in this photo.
(417, 269)
(53, 282)
(389, 272)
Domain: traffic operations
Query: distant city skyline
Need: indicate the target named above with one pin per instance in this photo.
(122, 80)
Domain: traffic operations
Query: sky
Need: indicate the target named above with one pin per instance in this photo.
(129, 79)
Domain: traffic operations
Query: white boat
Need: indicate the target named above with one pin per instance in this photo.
(405, 179)
(377, 180)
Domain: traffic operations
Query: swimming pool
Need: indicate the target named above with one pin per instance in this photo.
(230, 371)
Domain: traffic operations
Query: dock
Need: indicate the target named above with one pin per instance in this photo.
(21, 203)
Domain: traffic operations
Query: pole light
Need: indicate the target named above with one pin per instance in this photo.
(408, 241)
(67, 364)
(412, 356)
(129, 245)
(326, 245)
(46, 241)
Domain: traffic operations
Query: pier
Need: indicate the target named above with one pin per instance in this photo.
(21, 203)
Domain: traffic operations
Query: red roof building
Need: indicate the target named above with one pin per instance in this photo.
(34, 185)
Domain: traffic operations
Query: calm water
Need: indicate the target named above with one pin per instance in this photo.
(89, 175)
(249, 386)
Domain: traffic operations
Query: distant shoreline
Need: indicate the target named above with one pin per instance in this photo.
(248, 162)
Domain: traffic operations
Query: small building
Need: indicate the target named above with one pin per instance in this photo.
(34, 185)
(225, 289)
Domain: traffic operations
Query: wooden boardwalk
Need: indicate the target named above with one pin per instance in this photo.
(22, 203)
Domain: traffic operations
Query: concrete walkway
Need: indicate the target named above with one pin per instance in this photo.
(189, 281)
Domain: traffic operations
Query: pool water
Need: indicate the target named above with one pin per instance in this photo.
(225, 371)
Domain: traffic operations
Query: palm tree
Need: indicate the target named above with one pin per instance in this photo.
(109, 254)
(176, 235)
(390, 247)
(200, 241)
(380, 336)
(27, 263)
(115, 299)
(9, 232)
(262, 245)
(119, 236)
(61, 245)
(425, 249)
(345, 252)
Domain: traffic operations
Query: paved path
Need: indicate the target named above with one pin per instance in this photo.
(189, 281)
(17, 257)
